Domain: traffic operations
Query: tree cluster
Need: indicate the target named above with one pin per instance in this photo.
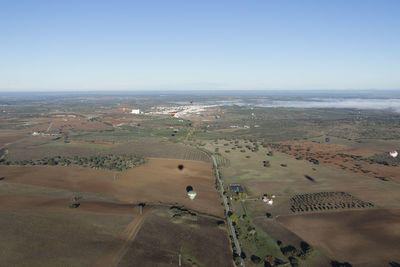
(108, 162)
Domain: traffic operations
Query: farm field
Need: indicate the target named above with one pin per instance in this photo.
(163, 237)
(324, 190)
(39, 198)
(36, 148)
(158, 181)
(362, 237)
(349, 158)
(65, 124)
(56, 237)
(116, 184)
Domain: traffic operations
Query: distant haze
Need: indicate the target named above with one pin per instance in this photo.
(393, 104)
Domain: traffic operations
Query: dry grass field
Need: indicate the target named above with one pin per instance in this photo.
(65, 124)
(38, 147)
(347, 158)
(157, 148)
(199, 240)
(287, 178)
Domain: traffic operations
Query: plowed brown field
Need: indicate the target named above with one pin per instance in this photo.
(362, 237)
(159, 181)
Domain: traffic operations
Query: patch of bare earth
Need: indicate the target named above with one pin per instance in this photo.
(361, 237)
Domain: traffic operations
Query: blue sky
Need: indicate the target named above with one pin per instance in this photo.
(211, 45)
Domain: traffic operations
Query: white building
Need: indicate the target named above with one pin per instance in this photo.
(135, 111)
(267, 200)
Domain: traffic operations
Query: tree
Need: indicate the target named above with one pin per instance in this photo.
(293, 261)
(305, 247)
(255, 259)
(234, 218)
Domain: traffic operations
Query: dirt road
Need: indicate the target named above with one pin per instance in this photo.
(114, 254)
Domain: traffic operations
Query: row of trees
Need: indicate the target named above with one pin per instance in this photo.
(108, 162)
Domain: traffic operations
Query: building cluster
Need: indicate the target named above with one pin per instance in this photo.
(47, 133)
(181, 111)
(268, 199)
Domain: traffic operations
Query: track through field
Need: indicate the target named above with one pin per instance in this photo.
(114, 254)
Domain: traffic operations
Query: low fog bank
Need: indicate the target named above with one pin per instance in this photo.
(392, 104)
(351, 103)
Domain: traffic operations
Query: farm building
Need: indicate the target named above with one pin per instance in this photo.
(46, 133)
(135, 111)
(268, 199)
(51, 133)
(236, 188)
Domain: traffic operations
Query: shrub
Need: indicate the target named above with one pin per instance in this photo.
(293, 261)
(289, 251)
(255, 259)
(305, 247)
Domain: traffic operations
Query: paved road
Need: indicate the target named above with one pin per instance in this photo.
(221, 188)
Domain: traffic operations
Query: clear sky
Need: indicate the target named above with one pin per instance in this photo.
(183, 45)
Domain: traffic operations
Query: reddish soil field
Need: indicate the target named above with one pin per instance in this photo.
(159, 181)
(340, 157)
(362, 237)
